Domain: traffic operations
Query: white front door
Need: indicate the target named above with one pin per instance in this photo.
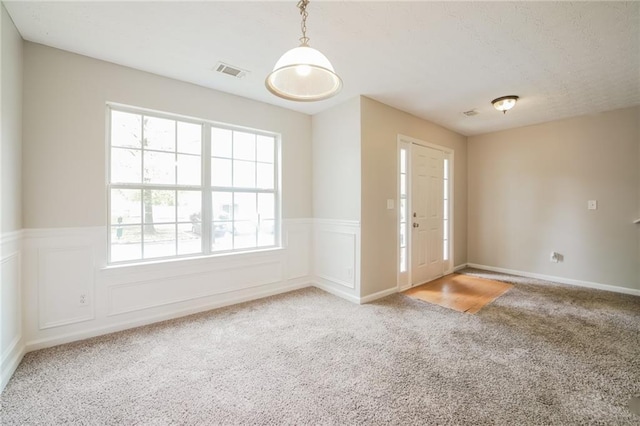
(426, 217)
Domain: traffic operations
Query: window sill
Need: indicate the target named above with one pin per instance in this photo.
(191, 260)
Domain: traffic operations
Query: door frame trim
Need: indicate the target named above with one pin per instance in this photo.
(403, 279)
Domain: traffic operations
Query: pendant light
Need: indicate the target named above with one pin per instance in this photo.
(303, 73)
(505, 103)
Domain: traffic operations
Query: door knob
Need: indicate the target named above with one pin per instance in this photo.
(416, 225)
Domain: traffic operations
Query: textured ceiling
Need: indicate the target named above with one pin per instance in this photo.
(431, 59)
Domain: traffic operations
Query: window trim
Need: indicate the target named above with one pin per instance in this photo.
(205, 187)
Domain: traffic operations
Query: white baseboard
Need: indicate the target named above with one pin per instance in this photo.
(336, 292)
(378, 295)
(457, 268)
(579, 283)
(351, 297)
(9, 367)
(232, 299)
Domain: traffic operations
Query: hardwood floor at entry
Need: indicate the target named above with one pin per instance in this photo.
(462, 293)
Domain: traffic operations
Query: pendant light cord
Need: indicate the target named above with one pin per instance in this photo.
(302, 5)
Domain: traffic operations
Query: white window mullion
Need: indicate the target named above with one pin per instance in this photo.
(206, 214)
(233, 219)
(175, 191)
(277, 196)
(142, 224)
(142, 152)
(233, 194)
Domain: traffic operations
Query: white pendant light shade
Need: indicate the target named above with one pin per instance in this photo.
(303, 74)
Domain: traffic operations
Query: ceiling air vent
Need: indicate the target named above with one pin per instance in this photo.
(230, 70)
(471, 113)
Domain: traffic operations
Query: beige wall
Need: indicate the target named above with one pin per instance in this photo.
(381, 125)
(528, 192)
(10, 126)
(336, 162)
(64, 132)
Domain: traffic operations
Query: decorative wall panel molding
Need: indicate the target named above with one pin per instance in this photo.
(71, 293)
(150, 293)
(11, 304)
(336, 255)
(298, 244)
(65, 285)
(11, 328)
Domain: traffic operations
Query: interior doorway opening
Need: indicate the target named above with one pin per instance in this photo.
(425, 216)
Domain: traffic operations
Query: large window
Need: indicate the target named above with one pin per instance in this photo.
(183, 187)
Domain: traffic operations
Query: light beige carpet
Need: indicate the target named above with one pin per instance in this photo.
(541, 354)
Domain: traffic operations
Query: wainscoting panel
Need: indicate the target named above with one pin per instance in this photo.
(298, 244)
(65, 285)
(11, 342)
(139, 295)
(337, 256)
(11, 328)
(71, 293)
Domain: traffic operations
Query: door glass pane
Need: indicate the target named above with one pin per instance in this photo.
(403, 260)
(189, 138)
(159, 134)
(266, 233)
(445, 254)
(222, 206)
(159, 240)
(403, 184)
(446, 189)
(445, 230)
(403, 232)
(445, 212)
(189, 242)
(221, 236)
(266, 149)
(220, 172)
(126, 206)
(266, 206)
(126, 165)
(126, 129)
(403, 210)
(446, 168)
(159, 167)
(125, 243)
(189, 170)
(244, 174)
(159, 206)
(403, 161)
(244, 146)
(221, 142)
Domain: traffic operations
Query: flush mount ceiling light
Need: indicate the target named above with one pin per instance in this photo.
(505, 103)
(303, 73)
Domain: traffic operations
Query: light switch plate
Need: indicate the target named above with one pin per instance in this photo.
(390, 204)
(592, 205)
